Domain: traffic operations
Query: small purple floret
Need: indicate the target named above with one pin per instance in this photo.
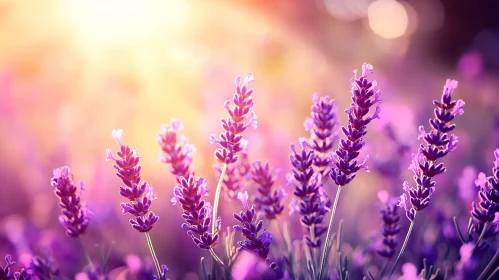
(267, 200)
(176, 151)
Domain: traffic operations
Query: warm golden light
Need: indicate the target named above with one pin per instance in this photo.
(122, 21)
(388, 18)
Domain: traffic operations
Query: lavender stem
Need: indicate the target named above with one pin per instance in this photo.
(403, 245)
(87, 256)
(217, 199)
(489, 265)
(155, 259)
(328, 235)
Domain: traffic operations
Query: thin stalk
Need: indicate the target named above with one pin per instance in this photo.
(87, 256)
(217, 199)
(492, 274)
(489, 265)
(153, 254)
(216, 257)
(328, 235)
(482, 234)
(403, 245)
(383, 268)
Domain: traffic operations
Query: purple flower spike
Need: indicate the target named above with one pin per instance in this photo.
(488, 206)
(323, 126)
(196, 211)
(307, 184)
(230, 140)
(139, 194)
(256, 242)
(439, 143)
(390, 228)
(268, 201)
(344, 164)
(75, 215)
(176, 151)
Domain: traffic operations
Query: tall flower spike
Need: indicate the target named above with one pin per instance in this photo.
(176, 152)
(438, 143)
(268, 201)
(425, 165)
(323, 127)
(138, 193)
(484, 213)
(196, 211)
(306, 183)
(390, 228)
(344, 165)
(75, 215)
(237, 122)
(255, 241)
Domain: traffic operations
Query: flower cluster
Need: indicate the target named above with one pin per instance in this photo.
(438, 144)
(389, 214)
(196, 211)
(75, 215)
(488, 206)
(344, 164)
(5, 271)
(323, 126)
(230, 141)
(267, 201)
(235, 176)
(140, 194)
(255, 241)
(176, 151)
(307, 185)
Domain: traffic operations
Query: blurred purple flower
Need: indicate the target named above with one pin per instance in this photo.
(175, 149)
(235, 176)
(267, 201)
(75, 215)
(44, 268)
(485, 211)
(323, 127)
(465, 184)
(256, 242)
(5, 271)
(390, 228)
(438, 144)
(307, 183)
(230, 140)
(344, 163)
(196, 211)
(140, 194)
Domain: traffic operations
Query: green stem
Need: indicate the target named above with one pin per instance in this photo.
(87, 256)
(403, 245)
(217, 199)
(153, 254)
(328, 235)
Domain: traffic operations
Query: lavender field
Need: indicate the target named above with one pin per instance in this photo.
(326, 139)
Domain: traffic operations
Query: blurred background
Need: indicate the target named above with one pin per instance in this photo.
(72, 70)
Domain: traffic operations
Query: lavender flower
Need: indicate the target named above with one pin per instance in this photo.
(140, 194)
(176, 151)
(230, 140)
(390, 228)
(5, 271)
(44, 268)
(485, 212)
(196, 211)
(323, 126)
(256, 242)
(345, 166)
(307, 183)
(75, 215)
(267, 201)
(235, 176)
(438, 144)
